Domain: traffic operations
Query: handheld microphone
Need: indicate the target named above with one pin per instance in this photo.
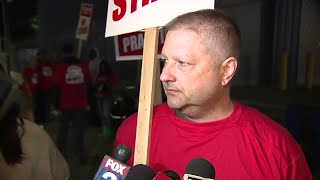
(172, 174)
(140, 172)
(114, 168)
(161, 176)
(122, 153)
(199, 169)
(167, 175)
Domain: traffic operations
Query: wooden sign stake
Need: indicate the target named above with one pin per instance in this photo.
(146, 96)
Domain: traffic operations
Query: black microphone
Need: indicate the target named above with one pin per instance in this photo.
(199, 169)
(172, 174)
(166, 175)
(122, 153)
(140, 172)
(114, 168)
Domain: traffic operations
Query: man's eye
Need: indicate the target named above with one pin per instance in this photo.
(183, 63)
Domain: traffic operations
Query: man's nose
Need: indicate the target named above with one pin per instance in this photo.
(167, 73)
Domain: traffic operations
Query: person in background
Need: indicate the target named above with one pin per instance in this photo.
(26, 150)
(54, 112)
(199, 119)
(30, 86)
(94, 63)
(71, 80)
(55, 60)
(94, 67)
(104, 83)
(43, 95)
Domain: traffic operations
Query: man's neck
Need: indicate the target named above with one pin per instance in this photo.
(214, 113)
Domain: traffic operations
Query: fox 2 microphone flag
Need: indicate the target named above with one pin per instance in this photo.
(111, 169)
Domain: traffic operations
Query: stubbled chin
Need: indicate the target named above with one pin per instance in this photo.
(173, 103)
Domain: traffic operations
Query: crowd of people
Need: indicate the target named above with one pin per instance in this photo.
(70, 87)
(67, 85)
(26, 150)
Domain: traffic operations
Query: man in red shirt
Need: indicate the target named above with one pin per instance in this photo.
(30, 77)
(71, 78)
(199, 119)
(45, 71)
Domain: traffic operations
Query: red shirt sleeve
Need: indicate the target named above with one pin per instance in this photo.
(298, 169)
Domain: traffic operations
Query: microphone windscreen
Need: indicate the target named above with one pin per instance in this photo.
(172, 174)
(201, 167)
(122, 153)
(141, 172)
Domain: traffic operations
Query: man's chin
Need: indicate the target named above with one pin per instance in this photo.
(174, 105)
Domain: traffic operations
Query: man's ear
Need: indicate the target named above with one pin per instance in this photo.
(228, 69)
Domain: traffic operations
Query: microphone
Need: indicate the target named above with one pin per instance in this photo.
(172, 174)
(161, 176)
(199, 169)
(140, 172)
(114, 168)
(167, 175)
(122, 153)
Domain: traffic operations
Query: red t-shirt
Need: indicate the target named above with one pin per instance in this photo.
(55, 65)
(104, 83)
(244, 145)
(45, 76)
(73, 82)
(30, 83)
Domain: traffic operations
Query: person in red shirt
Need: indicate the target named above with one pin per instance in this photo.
(104, 83)
(200, 120)
(56, 60)
(43, 95)
(71, 78)
(30, 77)
(29, 87)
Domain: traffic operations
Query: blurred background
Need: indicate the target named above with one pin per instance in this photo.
(279, 71)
